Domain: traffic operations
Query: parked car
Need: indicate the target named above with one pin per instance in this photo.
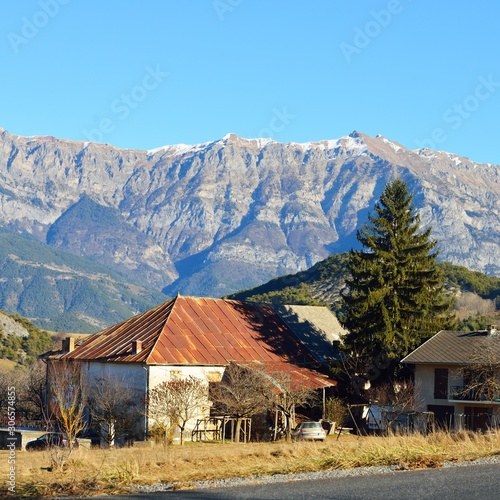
(92, 435)
(309, 430)
(49, 440)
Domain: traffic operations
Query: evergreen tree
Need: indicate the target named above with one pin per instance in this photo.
(394, 298)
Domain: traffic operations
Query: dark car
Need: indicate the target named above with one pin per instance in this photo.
(92, 435)
(309, 430)
(49, 440)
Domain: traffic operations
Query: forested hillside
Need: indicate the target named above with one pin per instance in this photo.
(63, 292)
(20, 340)
(477, 294)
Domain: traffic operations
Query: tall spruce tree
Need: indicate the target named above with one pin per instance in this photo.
(394, 298)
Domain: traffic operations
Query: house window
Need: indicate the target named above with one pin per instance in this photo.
(441, 383)
(214, 376)
(175, 374)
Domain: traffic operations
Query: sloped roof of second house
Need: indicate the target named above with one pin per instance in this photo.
(189, 330)
(456, 348)
(316, 327)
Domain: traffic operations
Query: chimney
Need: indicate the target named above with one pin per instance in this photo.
(136, 346)
(68, 344)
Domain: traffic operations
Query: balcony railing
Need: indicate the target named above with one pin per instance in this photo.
(461, 393)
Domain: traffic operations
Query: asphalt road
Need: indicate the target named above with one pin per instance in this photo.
(453, 483)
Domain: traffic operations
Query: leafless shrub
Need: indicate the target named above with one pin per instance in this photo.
(470, 304)
(68, 396)
(176, 402)
(336, 410)
(241, 393)
(113, 408)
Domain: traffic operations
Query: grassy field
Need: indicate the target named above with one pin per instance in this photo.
(114, 471)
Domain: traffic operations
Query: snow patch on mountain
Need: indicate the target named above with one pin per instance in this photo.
(395, 147)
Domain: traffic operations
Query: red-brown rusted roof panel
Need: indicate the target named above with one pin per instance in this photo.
(196, 342)
(291, 376)
(115, 343)
(217, 356)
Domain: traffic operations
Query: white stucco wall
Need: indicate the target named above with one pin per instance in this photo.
(140, 378)
(128, 377)
(424, 385)
(162, 373)
(424, 392)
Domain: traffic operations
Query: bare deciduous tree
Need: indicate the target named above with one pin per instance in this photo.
(30, 386)
(158, 405)
(241, 393)
(176, 402)
(68, 396)
(286, 395)
(113, 408)
(481, 377)
(470, 304)
(35, 390)
(400, 394)
(189, 398)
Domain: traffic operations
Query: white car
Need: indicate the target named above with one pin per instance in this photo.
(309, 430)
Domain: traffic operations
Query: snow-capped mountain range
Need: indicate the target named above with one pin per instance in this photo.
(213, 218)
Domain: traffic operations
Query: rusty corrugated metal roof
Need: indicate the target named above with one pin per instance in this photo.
(293, 376)
(115, 343)
(204, 331)
(79, 339)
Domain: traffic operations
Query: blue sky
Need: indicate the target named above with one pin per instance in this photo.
(150, 73)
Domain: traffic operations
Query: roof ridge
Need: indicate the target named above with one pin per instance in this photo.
(153, 348)
(422, 345)
(104, 337)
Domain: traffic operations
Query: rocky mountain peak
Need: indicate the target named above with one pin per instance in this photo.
(355, 134)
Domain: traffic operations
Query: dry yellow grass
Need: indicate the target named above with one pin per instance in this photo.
(112, 471)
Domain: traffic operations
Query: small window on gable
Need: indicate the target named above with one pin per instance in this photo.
(175, 374)
(214, 376)
(441, 383)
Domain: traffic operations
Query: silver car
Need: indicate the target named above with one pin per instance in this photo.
(309, 430)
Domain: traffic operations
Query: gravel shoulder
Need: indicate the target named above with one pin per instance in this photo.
(302, 476)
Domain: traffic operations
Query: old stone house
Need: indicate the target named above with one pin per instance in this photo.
(199, 337)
